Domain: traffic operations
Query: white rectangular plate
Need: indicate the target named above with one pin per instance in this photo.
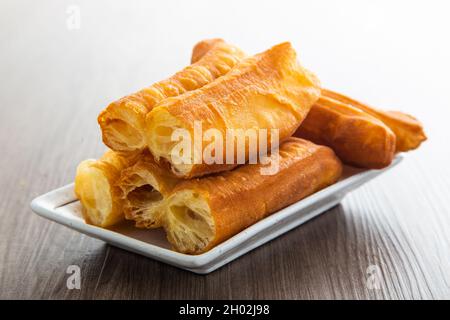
(61, 206)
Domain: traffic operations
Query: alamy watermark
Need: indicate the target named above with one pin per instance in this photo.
(235, 147)
(74, 280)
(73, 20)
(374, 277)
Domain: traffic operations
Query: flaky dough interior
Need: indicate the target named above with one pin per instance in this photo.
(160, 141)
(188, 221)
(94, 189)
(124, 130)
(143, 200)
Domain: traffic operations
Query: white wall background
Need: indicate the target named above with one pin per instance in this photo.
(393, 54)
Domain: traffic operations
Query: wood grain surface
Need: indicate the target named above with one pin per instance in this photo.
(55, 80)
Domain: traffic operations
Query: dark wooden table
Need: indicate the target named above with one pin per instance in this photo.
(56, 77)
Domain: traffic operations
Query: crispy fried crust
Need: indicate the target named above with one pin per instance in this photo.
(95, 188)
(357, 138)
(144, 187)
(122, 121)
(407, 129)
(202, 47)
(267, 91)
(204, 212)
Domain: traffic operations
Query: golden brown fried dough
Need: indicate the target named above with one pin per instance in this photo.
(202, 47)
(407, 129)
(267, 91)
(144, 187)
(122, 122)
(95, 188)
(357, 138)
(202, 213)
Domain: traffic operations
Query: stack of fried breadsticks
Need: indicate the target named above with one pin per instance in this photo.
(201, 204)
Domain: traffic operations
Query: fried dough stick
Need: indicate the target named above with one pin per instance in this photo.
(202, 213)
(122, 122)
(144, 188)
(95, 188)
(266, 91)
(359, 134)
(408, 130)
(357, 138)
